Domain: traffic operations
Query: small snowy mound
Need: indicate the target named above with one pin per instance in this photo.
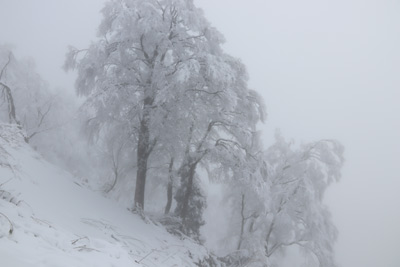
(48, 219)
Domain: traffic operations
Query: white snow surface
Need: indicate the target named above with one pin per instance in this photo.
(58, 222)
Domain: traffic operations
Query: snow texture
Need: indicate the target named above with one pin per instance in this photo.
(47, 218)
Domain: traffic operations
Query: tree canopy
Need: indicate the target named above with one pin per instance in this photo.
(170, 104)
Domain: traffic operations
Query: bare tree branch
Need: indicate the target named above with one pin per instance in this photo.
(5, 66)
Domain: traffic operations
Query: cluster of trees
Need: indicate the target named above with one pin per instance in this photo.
(165, 109)
(158, 75)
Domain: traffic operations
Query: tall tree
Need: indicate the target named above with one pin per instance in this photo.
(148, 55)
(289, 210)
(144, 52)
(297, 215)
(221, 117)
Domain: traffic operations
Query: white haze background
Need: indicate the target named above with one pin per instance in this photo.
(327, 69)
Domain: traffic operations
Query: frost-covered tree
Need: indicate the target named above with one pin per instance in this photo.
(144, 53)
(157, 61)
(297, 215)
(222, 118)
(289, 211)
(221, 115)
(244, 201)
(25, 96)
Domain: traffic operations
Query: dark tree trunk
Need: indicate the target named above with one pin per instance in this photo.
(142, 157)
(143, 152)
(242, 223)
(12, 115)
(169, 188)
(190, 200)
(191, 169)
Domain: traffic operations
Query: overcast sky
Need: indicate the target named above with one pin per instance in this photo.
(327, 69)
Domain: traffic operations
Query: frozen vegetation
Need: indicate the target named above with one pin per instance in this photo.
(48, 218)
(165, 117)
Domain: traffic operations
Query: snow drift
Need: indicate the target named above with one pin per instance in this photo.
(48, 218)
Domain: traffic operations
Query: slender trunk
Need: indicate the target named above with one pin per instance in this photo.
(169, 188)
(190, 176)
(143, 152)
(242, 224)
(12, 117)
(115, 170)
(141, 174)
(8, 94)
(271, 228)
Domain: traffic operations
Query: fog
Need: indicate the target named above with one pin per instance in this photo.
(326, 69)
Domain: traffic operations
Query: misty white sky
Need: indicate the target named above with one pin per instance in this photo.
(327, 69)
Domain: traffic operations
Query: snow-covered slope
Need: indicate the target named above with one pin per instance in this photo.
(48, 219)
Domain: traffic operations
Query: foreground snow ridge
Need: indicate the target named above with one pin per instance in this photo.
(48, 219)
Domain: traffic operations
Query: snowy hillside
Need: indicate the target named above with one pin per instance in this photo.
(48, 219)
